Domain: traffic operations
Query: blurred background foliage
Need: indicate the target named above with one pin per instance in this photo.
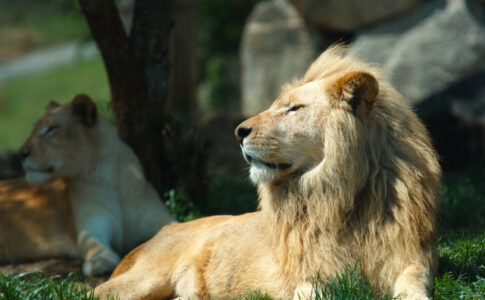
(220, 26)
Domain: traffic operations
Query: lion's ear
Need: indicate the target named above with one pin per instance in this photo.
(83, 107)
(359, 89)
(52, 104)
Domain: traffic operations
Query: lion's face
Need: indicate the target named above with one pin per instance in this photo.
(283, 139)
(59, 143)
(288, 138)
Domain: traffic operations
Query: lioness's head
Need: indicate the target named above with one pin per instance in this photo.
(289, 138)
(60, 141)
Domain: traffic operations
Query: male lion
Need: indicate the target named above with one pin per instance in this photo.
(346, 173)
(114, 208)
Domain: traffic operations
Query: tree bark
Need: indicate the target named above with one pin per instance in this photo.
(138, 69)
(183, 56)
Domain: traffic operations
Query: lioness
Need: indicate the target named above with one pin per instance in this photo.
(114, 208)
(346, 173)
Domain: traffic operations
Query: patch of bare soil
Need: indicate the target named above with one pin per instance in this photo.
(54, 266)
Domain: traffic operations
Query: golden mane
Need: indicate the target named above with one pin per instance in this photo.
(385, 169)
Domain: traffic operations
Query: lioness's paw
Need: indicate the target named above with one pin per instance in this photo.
(102, 262)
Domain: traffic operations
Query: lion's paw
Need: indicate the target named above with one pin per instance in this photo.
(102, 262)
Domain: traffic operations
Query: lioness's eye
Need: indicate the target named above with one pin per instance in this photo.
(294, 108)
(51, 129)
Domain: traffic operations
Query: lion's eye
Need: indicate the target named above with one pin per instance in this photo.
(293, 109)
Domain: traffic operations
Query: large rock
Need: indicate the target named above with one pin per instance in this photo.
(276, 48)
(350, 15)
(455, 118)
(433, 53)
(376, 43)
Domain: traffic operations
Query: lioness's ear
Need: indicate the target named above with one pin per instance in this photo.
(359, 89)
(83, 107)
(51, 106)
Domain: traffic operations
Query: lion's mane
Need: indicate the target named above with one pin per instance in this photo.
(376, 187)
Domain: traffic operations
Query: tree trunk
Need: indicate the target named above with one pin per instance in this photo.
(138, 68)
(183, 49)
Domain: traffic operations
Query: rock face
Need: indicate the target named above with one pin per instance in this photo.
(276, 48)
(350, 15)
(426, 56)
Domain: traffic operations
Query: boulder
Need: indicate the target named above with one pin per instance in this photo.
(350, 15)
(276, 48)
(455, 118)
(376, 43)
(431, 53)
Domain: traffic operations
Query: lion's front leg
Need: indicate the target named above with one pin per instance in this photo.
(96, 235)
(98, 219)
(134, 285)
(98, 257)
(414, 283)
(304, 291)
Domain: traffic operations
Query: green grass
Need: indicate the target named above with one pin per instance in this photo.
(461, 266)
(348, 285)
(23, 100)
(451, 287)
(463, 199)
(461, 247)
(36, 286)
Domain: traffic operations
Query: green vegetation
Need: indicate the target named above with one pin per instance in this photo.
(180, 206)
(220, 25)
(348, 285)
(23, 100)
(28, 286)
(461, 247)
(52, 21)
(463, 199)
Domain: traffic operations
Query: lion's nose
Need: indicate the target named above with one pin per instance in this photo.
(24, 152)
(242, 132)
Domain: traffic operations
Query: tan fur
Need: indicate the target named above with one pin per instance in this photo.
(346, 173)
(101, 182)
(35, 222)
